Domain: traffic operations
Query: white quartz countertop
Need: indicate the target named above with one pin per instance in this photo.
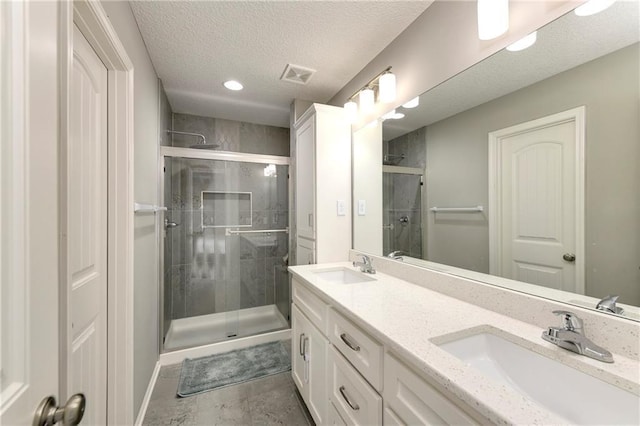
(406, 318)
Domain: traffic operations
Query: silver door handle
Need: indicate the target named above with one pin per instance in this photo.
(569, 257)
(310, 220)
(300, 345)
(354, 407)
(48, 413)
(348, 342)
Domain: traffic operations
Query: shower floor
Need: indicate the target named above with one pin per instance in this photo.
(206, 329)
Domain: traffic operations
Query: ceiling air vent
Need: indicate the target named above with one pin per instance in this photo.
(297, 74)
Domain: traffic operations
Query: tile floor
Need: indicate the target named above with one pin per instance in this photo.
(271, 400)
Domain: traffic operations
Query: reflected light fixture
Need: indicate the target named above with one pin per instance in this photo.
(493, 18)
(393, 115)
(366, 100)
(387, 87)
(412, 103)
(523, 43)
(351, 109)
(592, 7)
(233, 85)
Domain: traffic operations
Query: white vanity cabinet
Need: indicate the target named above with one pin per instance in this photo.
(322, 185)
(409, 399)
(309, 351)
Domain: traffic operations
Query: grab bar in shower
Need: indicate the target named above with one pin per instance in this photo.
(255, 231)
(147, 208)
(457, 209)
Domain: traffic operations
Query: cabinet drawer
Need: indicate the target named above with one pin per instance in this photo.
(333, 418)
(311, 305)
(409, 399)
(361, 350)
(354, 399)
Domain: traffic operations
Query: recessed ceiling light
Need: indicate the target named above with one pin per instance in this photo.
(233, 85)
(592, 7)
(523, 43)
(412, 103)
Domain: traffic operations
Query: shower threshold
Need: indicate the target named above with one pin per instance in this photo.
(212, 328)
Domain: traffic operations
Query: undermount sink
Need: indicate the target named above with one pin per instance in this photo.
(575, 396)
(342, 275)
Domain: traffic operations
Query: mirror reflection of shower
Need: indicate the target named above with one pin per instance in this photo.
(200, 145)
(402, 194)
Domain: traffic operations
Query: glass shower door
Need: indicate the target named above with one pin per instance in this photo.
(402, 213)
(224, 274)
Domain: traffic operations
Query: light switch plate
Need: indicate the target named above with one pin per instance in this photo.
(362, 207)
(341, 207)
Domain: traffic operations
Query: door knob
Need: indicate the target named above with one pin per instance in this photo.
(48, 413)
(569, 257)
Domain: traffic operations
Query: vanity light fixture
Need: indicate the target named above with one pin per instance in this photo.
(523, 43)
(393, 115)
(383, 83)
(233, 85)
(592, 7)
(493, 18)
(412, 103)
(366, 99)
(387, 91)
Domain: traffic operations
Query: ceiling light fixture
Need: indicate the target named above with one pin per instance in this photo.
(523, 43)
(412, 103)
(233, 85)
(592, 7)
(493, 18)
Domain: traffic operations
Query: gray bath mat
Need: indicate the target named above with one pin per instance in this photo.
(215, 371)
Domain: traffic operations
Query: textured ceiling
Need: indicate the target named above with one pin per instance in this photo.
(196, 45)
(563, 44)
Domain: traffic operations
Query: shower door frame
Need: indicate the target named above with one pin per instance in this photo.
(417, 171)
(192, 153)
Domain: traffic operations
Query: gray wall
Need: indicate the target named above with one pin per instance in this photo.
(145, 333)
(457, 152)
(236, 136)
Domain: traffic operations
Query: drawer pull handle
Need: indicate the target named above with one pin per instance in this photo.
(354, 407)
(352, 345)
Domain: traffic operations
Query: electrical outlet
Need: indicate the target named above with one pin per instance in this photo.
(341, 207)
(362, 207)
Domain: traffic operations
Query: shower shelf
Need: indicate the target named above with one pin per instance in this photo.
(474, 209)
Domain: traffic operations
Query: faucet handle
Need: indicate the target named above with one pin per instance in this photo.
(365, 259)
(570, 321)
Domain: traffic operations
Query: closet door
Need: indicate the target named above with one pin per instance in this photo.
(305, 179)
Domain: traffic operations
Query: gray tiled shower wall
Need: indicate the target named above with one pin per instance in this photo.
(403, 194)
(203, 266)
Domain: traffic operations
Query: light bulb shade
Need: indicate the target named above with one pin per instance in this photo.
(366, 100)
(493, 18)
(389, 115)
(592, 7)
(523, 43)
(412, 103)
(351, 109)
(387, 84)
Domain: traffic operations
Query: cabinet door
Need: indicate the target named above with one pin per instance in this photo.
(305, 252)
(409, 399)
(299, 371)
(305, 179)
(316, 355)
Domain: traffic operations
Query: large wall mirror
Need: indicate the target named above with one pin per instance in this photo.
(523, 171)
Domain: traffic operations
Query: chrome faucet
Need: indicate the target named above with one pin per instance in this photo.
(608, 304)
(571, 337)
(397, 255)
(365, 266)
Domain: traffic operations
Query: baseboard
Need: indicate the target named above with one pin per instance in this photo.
(176, 357)
(147, 396)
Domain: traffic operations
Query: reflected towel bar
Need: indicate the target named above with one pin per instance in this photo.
(255, 231)
(457, 209)
(147, 208)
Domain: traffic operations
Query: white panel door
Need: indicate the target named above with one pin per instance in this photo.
(305, 179)
(87, 230)
(28, 209)
(539, 210)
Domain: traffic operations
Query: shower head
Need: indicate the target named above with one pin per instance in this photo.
(201, 145)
